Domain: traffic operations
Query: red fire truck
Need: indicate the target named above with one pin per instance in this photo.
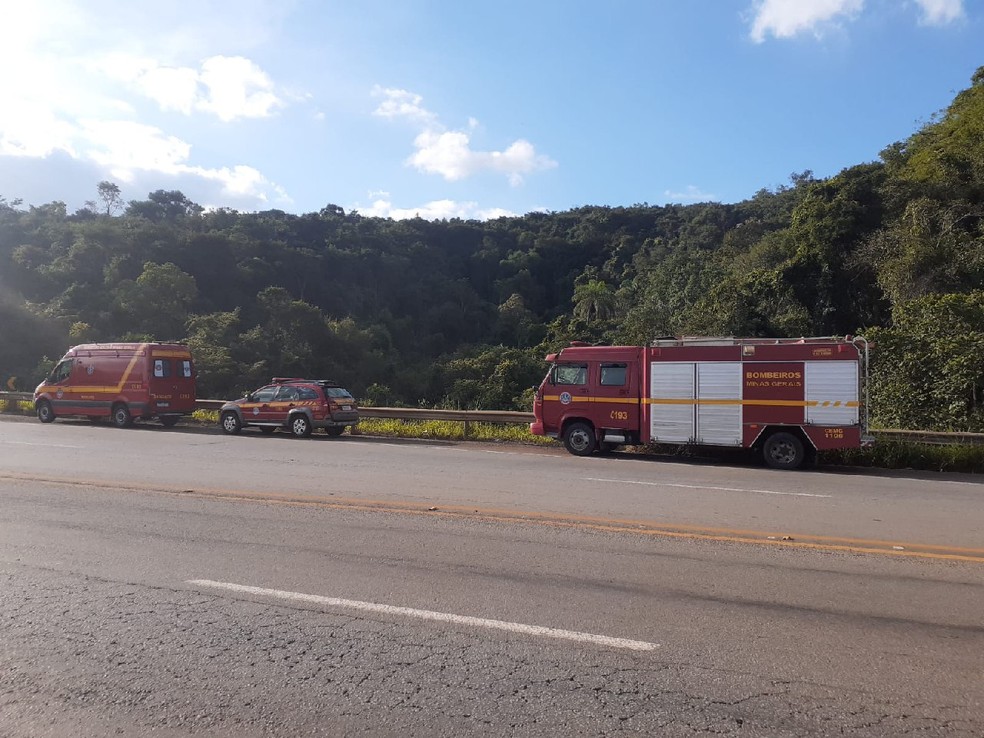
(120, 381)
(784, 397)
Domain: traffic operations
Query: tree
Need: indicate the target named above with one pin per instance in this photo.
(594, 300)
(110, 194)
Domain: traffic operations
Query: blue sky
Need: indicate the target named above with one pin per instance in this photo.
(464, 109)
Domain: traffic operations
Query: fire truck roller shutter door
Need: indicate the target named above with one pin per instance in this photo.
(832, 392)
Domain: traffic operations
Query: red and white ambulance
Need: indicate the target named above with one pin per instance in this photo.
(785, 397)
(121, 381)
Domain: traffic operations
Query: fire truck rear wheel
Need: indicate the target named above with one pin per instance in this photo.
(784, 451)
(121, 416)
(579, 439)
(46, 413)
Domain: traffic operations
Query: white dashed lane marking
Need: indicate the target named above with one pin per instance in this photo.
(443, 617)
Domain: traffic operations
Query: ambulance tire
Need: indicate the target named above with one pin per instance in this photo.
(784, 451)
(579, 439)
(300, 426)
(231, 423)
(46, 413)
(121, 416)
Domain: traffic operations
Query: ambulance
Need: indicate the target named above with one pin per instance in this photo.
(785, 398)
(120, 381)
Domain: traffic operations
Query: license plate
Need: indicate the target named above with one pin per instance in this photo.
(346, 407)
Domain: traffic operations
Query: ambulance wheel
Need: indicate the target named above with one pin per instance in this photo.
(784, 451)
(46, 413)
(121, 416)
(231, 423)
(300, 426)
(169, 421)
(579, 439)
(335, 430)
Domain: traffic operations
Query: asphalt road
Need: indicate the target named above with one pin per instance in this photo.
(176, 583)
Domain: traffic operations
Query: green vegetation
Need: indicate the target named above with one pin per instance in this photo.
(459, 314)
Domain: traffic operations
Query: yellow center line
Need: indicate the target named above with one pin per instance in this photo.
(551, 520)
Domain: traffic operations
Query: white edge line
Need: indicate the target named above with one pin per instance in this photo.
(534, 630)
(701, 486)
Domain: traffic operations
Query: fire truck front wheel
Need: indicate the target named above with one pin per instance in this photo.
(579, 439)
(784, 451)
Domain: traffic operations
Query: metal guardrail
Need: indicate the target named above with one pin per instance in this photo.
(520, 418)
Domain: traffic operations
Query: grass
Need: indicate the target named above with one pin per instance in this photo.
(23, 407)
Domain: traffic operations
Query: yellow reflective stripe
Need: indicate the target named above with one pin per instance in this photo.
(172, 354)
(615, 400)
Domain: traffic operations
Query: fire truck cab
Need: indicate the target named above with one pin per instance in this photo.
(786, 398)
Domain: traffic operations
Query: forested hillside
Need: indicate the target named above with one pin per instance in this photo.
(460, 313)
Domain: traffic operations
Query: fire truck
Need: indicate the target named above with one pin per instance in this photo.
(120, 381)
(786, 398)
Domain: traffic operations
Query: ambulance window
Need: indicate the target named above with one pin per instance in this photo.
(162, 368)
(61, 372)
(186, 369)
(571, 374)
(613, 375)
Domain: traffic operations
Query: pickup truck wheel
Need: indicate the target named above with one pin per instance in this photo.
(300, 426)
(121, 416)
(46, 413)
(335, 431)
(784, 451)
(231, 423)
(579, 439)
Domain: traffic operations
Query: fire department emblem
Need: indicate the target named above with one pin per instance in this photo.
(565, 398)
(256, 411)
(90, 369)
(60, 393)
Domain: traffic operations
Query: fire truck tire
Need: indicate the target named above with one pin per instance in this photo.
(579, 439)
(46, 413)
(231, 423)
(300, 426)
(121, 416)
(784, 451)
(335, 430)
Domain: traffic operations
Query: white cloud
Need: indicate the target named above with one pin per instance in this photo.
(434, 210)
(402, 104)
(230, 87)
(787, 18)
(941, 12)
(690, 193)
(69, 103)
(448, 152)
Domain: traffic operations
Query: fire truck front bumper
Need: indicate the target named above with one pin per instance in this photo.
(536, 428)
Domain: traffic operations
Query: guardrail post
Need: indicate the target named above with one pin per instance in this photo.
(466, 430)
